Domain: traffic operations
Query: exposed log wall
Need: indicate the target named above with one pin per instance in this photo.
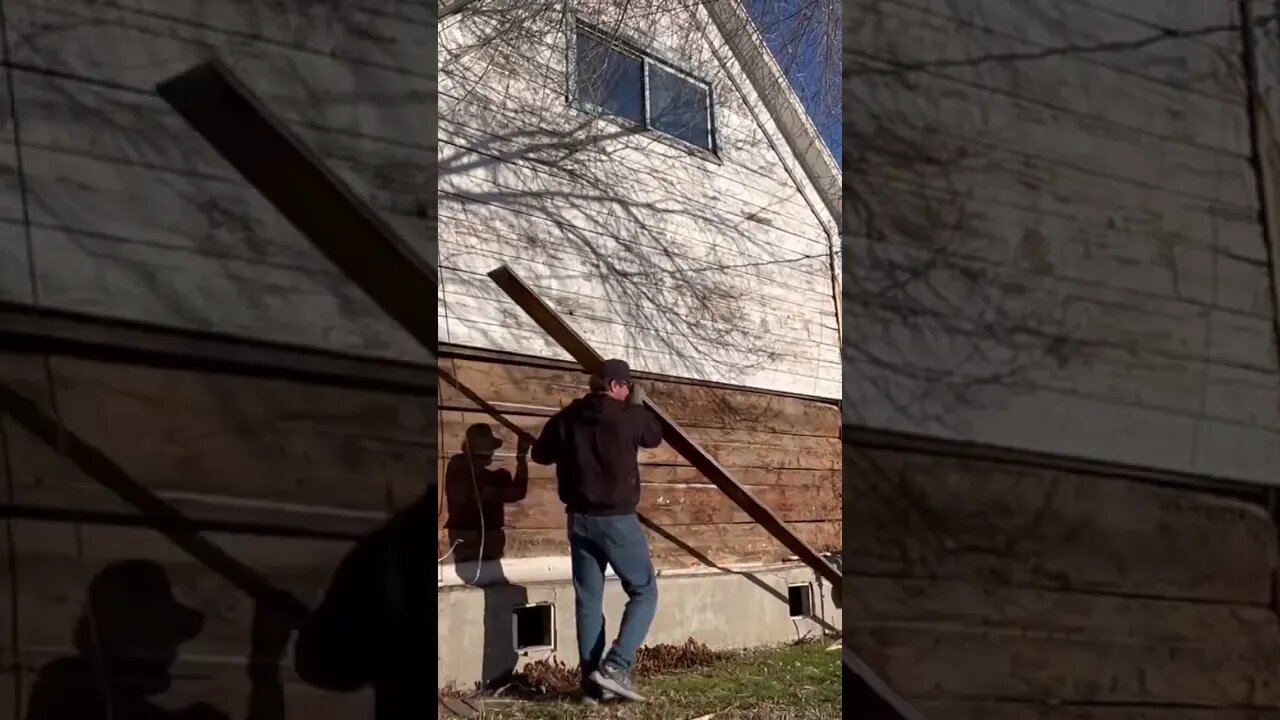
(286, 476)
(982, 590)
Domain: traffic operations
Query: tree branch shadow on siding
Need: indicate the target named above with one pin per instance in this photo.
(935, 321)
(678, 268)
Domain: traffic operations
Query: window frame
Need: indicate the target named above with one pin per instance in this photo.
(627, 47)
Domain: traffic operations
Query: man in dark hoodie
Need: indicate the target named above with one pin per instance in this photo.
(594, 443)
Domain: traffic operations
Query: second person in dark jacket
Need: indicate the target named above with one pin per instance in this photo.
(594, 444)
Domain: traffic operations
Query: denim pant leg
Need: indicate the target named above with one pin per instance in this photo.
(628, 552)
(588, 558)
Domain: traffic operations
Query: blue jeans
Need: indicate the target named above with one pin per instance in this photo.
(619, 541)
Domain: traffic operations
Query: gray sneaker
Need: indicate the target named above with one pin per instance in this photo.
(617, 681)
(593, 694)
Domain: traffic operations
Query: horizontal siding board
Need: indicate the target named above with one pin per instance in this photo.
(354, 34)
(722, 315)
(1056, 422)
(969, 294)
(137, 129)
(496, 323)
(1248, 395)
(135, 52)
(497, 134)
(644, 206)
(670, 547)
(731, 448)
(1002, 611)
(136, 217)
(979, 115)
(1069, 80)
(543, 391)
(997, 525)
(166, 286)
(670, 506)
(1197, 64)
(995, 181)
(563, 251)
(939, 665)
(1127, 251)
(1230, 396)
(15, 275)
(824, 382)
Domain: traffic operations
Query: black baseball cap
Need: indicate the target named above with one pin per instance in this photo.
(615, 370)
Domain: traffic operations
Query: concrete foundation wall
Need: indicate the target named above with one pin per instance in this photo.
(720, 609)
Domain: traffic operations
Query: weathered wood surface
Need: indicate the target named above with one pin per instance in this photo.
(982, 590)
(967, 664)
(231, 449)
(732, 448)
(1063, 251)
(783, 448)
(538, 391)
(937, 518)
(272, 456)
(680, 546)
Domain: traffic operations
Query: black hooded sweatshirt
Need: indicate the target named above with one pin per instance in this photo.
(594, 443)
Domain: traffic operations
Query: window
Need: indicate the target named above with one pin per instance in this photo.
(613, 78)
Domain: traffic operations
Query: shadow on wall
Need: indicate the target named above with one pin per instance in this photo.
(128, 638)
(476, 496)
(127, 642)
(376, 622)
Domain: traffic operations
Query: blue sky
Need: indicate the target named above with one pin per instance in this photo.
(798, 40)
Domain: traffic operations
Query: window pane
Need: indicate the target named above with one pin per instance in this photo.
(609, 79)
(678, 107)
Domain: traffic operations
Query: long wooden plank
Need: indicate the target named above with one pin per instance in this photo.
(320, 204)
(577, 347)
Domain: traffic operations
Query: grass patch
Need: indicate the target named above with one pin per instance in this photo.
(795, 682)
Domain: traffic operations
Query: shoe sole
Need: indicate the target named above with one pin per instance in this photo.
(615, 688)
